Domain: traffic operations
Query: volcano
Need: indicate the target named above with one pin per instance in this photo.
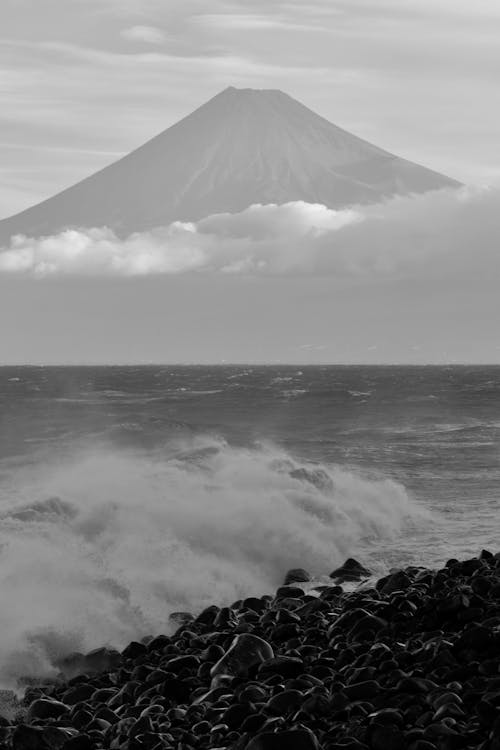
(242, 147)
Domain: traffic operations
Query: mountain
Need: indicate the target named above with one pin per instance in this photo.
(243, 146)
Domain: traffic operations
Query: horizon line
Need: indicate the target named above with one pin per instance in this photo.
(252, 364)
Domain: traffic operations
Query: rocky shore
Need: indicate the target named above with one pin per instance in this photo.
(411, 662)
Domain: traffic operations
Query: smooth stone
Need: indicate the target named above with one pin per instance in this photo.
(351, 570)
(360, 690)
(57, 737)
(398, 581)
(331, 592)
(179, 663)
(253, 724)
(77, 694)
(208, 615)
(386, 737)
(254, 604)
(80, 742)
(289, 592)
(158, 643)
(180, 618)
(245, 651)
(285, 701)
(134, 649)
(28, 738)
(101, 659)
(44, 708)
(287, 667)
(296, 575)
(292, 739)
(387, 716)
(236, 715)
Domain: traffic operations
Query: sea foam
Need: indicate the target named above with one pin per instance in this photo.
(98, 548)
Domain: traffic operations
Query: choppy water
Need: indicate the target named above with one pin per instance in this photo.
(127, 492)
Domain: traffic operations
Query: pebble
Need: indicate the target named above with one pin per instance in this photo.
(410, 662)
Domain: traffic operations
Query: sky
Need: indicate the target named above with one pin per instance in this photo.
(85, 81)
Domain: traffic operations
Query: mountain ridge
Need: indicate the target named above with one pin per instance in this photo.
(242, 146)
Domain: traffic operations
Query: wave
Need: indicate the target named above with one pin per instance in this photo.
(100, 547)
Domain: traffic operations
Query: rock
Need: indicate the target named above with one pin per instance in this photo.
(286, 667)
(77, 694)
(101, 659)
(351, 570)
(236, 715)
(284, 702)
(179, 663)
(386, 737)
(361, 690)
(28, 738)
(245, 651)
(292, 739)
(254, 604)
(44, 708)
(57, 737)
(289, 592)
(181, 618)
(296, 575)
(134, 649)
(398, 581)
(80, 742)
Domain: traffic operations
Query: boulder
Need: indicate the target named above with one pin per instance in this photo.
(351, 570)
(44, 708)
(292, 739)
(296, 575)
(245, 651)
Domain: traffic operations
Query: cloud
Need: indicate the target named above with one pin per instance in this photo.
(437, 235)
(147, 34)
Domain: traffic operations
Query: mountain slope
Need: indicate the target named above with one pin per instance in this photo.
(243, 146)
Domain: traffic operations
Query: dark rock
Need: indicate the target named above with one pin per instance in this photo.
(245, 651)
(57, 737)
(179, 663)
(284, 702)
(398, 581)
(292, 739)
(134, 649)
(329, 593)
(44, 708)
(386, 737)
(289, 592)
(254, 604)
(360, 690)
(28, 738)
(284, 666)
(351, 570)
(236, 715)
(101, 659)
(181, 618)
(77, 694)
(80, 742)
(296, 575)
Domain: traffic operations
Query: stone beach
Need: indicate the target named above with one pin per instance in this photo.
(411, 661)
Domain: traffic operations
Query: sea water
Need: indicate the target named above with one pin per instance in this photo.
(129, 492)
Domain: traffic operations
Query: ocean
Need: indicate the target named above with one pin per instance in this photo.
(127, 493)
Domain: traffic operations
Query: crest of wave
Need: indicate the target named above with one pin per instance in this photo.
(101, 548)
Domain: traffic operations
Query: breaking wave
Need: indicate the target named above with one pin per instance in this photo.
(99, 548)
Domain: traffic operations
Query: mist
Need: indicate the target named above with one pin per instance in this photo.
(101, 546)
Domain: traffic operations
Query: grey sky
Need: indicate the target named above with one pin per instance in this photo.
(85, 81)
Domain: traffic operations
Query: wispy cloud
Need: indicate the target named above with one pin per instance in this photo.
(145, 34)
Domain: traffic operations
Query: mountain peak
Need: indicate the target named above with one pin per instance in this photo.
(243, 146)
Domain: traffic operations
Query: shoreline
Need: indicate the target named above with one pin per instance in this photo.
(412, 661)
